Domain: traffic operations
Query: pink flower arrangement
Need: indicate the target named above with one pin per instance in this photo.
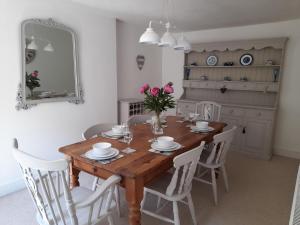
(144, 88)
(154, 91)
(158, 99)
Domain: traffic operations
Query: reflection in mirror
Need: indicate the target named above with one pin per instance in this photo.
(49, 64)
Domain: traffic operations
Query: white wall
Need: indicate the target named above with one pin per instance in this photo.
(287, 141)
(130, 78)
(42, 129)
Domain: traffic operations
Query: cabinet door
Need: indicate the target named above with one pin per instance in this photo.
(257, 137)
(234, 121)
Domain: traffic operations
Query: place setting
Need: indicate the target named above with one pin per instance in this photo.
(116, 132)
(202, 127)
(103, 152)
(164, 145)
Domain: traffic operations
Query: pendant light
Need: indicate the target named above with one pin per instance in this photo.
(32, 45)
(183, 44)
(149, 36)
(49, 48)
(167, 40)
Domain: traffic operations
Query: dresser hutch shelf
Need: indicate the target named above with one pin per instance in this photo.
(250, 105)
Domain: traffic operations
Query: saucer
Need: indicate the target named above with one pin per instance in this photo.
(196, 129)
(155, 146)
(110, 133)
(114, 152)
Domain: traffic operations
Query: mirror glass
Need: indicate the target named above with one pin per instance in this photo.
(50, 65)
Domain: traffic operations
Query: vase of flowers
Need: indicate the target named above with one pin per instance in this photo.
(32, 81)
(158, 100)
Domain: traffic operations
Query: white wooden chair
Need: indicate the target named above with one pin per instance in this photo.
(48, 185)
(136, 119)
(95, 131)
(215, 160)
(175, 187)
(208, 110)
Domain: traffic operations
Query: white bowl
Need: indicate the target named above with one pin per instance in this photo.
(118, 129)
(165, 141)
(202, 125)
(101, 148)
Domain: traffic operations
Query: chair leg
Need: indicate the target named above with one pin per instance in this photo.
(117, 198)
(110, 220)
(223, 169)
(144, 200)
(158, 202)
(176, 213)
(95, 182)
(214, 185)
(192, 208)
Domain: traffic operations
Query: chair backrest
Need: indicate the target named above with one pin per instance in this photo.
(208, 110)
(136, 119)
(185, 166)
(221, 145)
(48, 185)
(96, 130)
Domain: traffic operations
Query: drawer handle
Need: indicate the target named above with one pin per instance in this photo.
(244, 130)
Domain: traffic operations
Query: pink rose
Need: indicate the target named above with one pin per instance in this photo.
(154, 91)
(35, 73)
(144, 88)
(168, 89)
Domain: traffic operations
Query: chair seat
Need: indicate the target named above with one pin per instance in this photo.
(160, 185)
(78, 194)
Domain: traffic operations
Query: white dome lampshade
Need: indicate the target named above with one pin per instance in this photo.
(167, 40)
(149, 36)
(32, 45)
(183, 44)
(49, 48)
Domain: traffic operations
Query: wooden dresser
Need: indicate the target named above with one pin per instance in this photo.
(251, 105)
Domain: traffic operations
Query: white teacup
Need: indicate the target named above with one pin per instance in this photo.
(118, 129)
(165, 141)
(202, 125)
(101, 148)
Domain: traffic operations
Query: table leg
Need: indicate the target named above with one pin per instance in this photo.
(134, 196)
(74, 177)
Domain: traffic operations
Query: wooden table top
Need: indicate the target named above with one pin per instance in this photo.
(143, 162)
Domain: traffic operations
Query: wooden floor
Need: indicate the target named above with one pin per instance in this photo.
(260, 194)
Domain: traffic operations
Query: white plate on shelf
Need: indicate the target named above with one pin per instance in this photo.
(196, 129)
(114, 152)
(156, 147)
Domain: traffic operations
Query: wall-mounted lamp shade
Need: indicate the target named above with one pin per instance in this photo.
(32, 45)
(183, 44)
(167, 40)
(149, 37)
(49, 48)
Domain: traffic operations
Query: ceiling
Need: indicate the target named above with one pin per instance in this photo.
(199, 14)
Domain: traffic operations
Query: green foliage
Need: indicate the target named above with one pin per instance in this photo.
(32, 81)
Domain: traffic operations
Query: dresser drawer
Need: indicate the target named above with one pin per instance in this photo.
(203, 84)
(186, 83)
(260, 114)
(233, 111)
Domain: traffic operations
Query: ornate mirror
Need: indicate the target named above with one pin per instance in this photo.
(49, 64)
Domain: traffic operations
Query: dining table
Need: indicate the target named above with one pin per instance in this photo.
(143, 165)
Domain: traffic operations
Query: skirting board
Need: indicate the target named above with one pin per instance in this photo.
(11, 187)
(287, 153)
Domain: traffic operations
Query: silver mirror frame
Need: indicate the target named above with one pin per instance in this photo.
(22, 102)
